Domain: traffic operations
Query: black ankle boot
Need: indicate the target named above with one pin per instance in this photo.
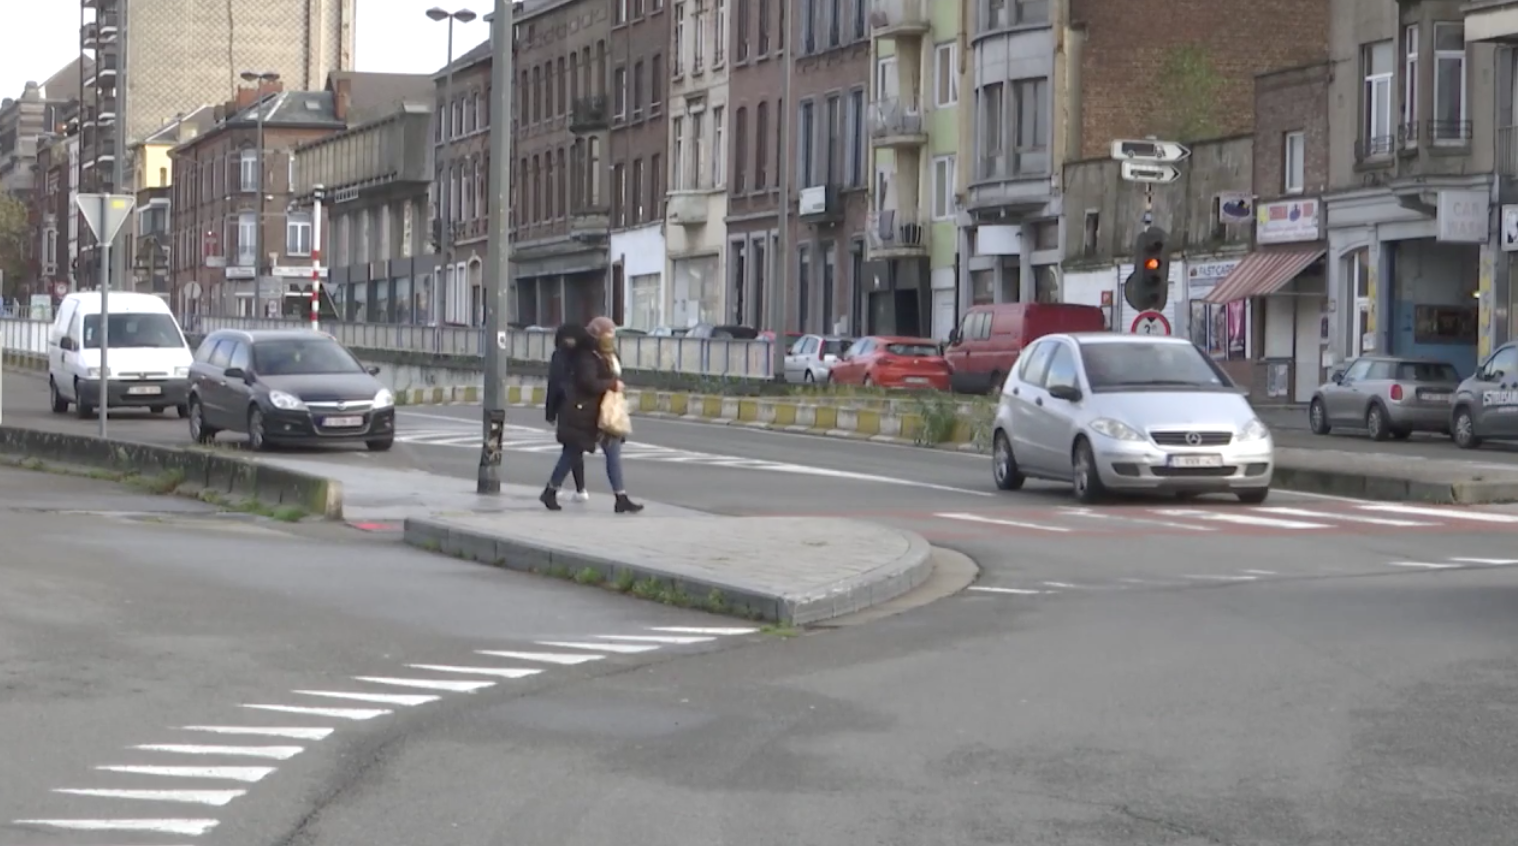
(627, 506)
(550, 499)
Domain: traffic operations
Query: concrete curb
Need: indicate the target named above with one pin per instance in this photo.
(882, 584)
(1393, 488)
(203, 470)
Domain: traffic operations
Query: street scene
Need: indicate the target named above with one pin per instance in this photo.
(759, 424)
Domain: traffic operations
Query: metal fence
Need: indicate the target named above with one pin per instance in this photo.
(693, 356)
(24, 335)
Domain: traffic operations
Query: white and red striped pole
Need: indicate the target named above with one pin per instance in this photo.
(316, 259)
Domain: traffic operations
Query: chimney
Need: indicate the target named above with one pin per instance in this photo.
(342, 97)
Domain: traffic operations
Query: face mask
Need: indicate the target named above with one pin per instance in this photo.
(608, 343)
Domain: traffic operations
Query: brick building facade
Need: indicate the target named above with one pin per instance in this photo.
(638, 143)
(1291, 131)
(753, 178)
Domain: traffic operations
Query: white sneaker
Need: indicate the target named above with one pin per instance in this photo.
(579, 496)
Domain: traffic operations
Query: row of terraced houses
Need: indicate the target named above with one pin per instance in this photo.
(1348, 191)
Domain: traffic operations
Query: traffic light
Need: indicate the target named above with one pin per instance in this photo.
(1148, 287)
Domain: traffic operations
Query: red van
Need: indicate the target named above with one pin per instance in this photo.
(987, 343)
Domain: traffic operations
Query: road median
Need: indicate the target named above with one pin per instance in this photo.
(207, 473)
(792, 571)
(1393, 478)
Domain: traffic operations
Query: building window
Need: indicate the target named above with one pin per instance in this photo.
(764, 27)
(248, 171)
(618, 196)
(637, 91)
(1031, 98)
(636, 199)
(943, 188)
(655, 84)
(719, 153)
(835, 22)
(808, 26)
(1092, 233)
(992, 133)
(298, 234)
(550, 196)
(761, 147)
(698, 41)
(1030, 12)
(856, 152)
(1409, 131)
(741, 44)
(994, 15)
(621, 12)
(537, 94)
(1293, 157)
(719, 34)
(562, 83)
(656, 186)
(619, 93)
(740, 150)
(1376, 132)
(946, 88)
(1450, 124)
(806, 142)
(859, 9)
(247, 239)
(677, 154)
(694, 150)
(676, 64)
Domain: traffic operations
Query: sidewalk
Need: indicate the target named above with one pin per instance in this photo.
(788, 570)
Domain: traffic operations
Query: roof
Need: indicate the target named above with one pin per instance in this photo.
(480, 53)
(1122, 338)
(371, 95)
(183, 127)
(256, 335)
(64, 84)
(290, 108)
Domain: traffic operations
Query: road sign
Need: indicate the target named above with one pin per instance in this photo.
(1150, 323)
(1150, 151)
(1161, 173)
(1509, 229)
(105, 213)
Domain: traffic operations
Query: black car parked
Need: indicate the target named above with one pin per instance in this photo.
(293, 387)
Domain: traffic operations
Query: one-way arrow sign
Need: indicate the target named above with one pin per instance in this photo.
(1149, 151)
(1161, 173)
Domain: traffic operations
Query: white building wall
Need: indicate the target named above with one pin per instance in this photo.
(644, 293)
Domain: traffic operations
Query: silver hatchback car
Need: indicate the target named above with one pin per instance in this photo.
(1136, 413)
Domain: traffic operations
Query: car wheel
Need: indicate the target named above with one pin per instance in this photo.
(257, 440)
(1465, 429)
(994, 389)
(1317, 418)
(1375, 423)
(1004, 464)
(1254, 496)
(183, 410)
(81, 409)
(381, 445)
(200, 433)
(1087, 479)
(60, 405)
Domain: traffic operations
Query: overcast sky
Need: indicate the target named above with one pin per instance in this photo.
(392, 36)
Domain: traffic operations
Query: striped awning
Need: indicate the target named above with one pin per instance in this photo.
(1263, 272)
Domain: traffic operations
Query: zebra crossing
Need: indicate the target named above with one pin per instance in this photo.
(529, 439)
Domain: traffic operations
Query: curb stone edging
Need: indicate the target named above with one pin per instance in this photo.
(881, 585)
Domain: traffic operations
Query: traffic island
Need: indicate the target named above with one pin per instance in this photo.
(1393, 478)
(792, 571)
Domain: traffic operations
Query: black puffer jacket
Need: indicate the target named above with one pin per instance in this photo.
(590, 377)
(558, 369)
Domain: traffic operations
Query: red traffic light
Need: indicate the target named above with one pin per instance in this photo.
(1152, 264)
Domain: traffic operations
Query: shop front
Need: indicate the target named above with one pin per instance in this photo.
(1272, 310)
(1414, 266)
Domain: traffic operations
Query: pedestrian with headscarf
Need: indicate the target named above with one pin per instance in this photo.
(559, 375)
(587, 420)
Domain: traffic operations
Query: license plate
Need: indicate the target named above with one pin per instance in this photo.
(1196, 461)
(145, 390)
(915, 380)
(342, 422)
(1436, 397)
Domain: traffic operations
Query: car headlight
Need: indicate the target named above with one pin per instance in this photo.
(1254, 430)
(288, 402)
(181, 372)
(383, 399)
(1115, 429)
(94, 373)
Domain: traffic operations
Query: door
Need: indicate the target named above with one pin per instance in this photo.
(210, 384)
(1025, 395)
(1054, 427)
(850, 370)
(1346, 402)
(55, 352)
(1496, 413)
(796, 358)
(236, 393)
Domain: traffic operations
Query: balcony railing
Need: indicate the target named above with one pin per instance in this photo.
(590, 223)
(1375, 147)
(1448, 132)
(897, 121)
(589, 114)
(889, 18)
(1018, 164)
(897, 232)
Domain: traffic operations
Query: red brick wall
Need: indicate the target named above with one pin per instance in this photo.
(1294, 100)
(1129, 43)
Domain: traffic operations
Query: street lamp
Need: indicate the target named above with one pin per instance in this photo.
(445, 189)
(259, 78)
(493, 423)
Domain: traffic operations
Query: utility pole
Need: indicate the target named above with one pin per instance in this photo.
(498, 278)
(780, 265)
(121, 266)
(318, 194)
(259, 79)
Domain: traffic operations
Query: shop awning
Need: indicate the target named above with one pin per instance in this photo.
(1263, 272)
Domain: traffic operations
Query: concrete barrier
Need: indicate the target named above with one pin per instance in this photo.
(230, 476)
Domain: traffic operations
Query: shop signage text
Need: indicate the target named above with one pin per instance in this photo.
(1464, 216)
(1288, 221)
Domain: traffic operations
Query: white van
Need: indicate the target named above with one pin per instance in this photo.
(148, 358)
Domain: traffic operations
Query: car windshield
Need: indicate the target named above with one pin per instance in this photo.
(1423, 371)
(1146, 365)
(134, 330)
(303, 356)
(834, 346)
(912, 349)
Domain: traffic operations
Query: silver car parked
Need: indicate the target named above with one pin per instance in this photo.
(811, 358)
(1387, 396)
(1113, 412)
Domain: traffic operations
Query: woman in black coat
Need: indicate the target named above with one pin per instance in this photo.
(591, 375)
(565, 343)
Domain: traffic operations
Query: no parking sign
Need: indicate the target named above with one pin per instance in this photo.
(1150, 323)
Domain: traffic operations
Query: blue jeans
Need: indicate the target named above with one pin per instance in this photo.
(571, 456)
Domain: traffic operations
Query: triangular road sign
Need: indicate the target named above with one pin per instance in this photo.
(105, 213)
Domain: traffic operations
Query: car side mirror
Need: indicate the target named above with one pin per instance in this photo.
(235, 373)
(954, 337)
(372, 371)
(1066, 393)
(1338, 377)
(65, 343)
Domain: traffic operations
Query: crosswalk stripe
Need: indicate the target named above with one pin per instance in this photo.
(1425, 565)
(976, 518)
(1241, 519)
(1490, 562)
(1353, 518)
(1446, 513)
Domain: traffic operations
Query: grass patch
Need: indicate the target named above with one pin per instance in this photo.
(624, 581)
(940, 418)
(590, 576)
(779, 630)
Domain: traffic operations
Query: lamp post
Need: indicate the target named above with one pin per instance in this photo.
(445, 188)
(498, 278)
(259, 78)
(781, 264)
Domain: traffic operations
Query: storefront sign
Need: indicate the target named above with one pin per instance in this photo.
(1464, 216)
(1509, 228)
(1288, 221)
(1202, 276)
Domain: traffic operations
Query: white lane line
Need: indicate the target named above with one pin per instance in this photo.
(669, 639)
(1095, 515)
(1223, 578)
(405, 700)
(996, 521)
(243, 774)
(194, 797)
(698, 630)
(1066, 585)
(1262, 572)
(1425, 565)
(1490, 562)
(620, 648)
(1444, 513)
(1017, 591)
(1352, 518)
(561, 658)
(275, 753)
(429, 684)
(1240, 519)
(261, 731)
(502, 672)
(194, 828)
(335, 713)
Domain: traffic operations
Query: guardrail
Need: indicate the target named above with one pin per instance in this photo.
(24, 335)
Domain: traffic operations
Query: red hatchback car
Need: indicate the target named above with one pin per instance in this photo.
(888, 361)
